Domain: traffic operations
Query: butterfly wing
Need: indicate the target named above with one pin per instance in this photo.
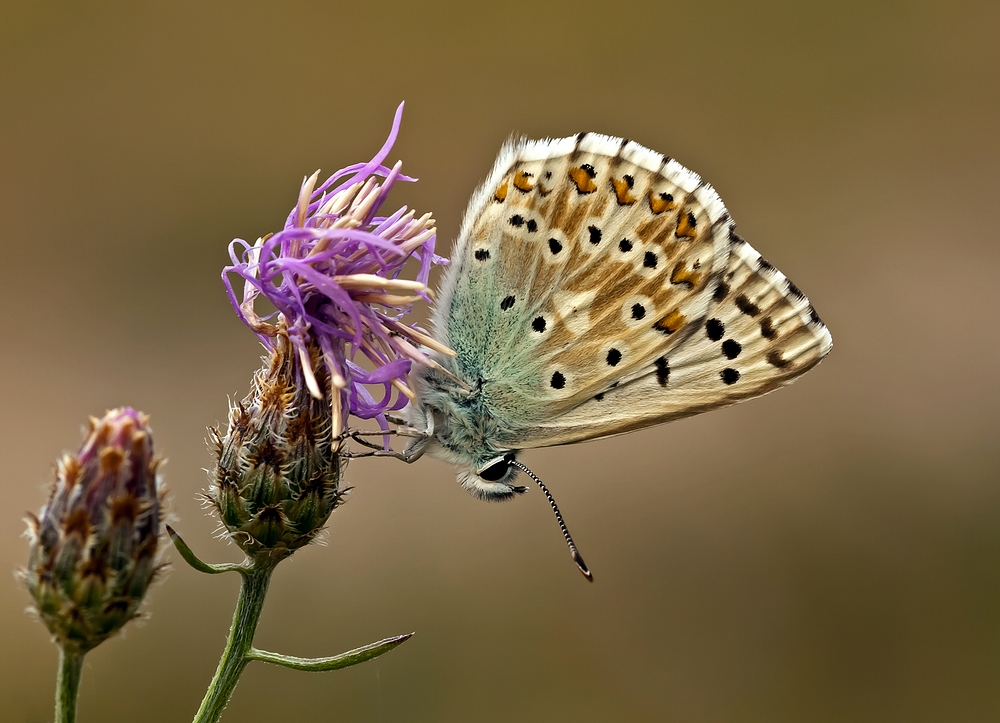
(597, 287)
(761, 333)
(580, 261)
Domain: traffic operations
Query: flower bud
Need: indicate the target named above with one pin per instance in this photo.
(278, 471)
(93, 546)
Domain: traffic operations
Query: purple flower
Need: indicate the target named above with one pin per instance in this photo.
(333, 274)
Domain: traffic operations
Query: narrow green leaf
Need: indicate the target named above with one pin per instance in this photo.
(336, 662)
(191, 559)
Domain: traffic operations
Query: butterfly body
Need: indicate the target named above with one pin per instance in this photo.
(596, 288)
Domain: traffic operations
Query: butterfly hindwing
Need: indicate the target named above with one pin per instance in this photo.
(761, 333)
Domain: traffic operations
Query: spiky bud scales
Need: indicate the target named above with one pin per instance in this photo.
(278, 471)
(94, 544)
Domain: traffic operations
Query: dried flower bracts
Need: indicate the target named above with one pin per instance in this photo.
(93, 546)
(277, 476)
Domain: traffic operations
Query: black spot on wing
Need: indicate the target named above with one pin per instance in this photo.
(746, 306)
(638, 311)
(595, 235)
(558, 381)
(614, 356)
(764, 265)
(767, 329)
(625, 245)
(538, 324)
(731, 348)
(775, 359)
(482, 254)
(554, 246)
(507, 303)
(662, 371)
(715, 329)
(729, 375)
(649, 260)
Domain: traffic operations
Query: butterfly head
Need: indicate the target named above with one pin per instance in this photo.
(486, 475)
(491, 480)
(453, 435)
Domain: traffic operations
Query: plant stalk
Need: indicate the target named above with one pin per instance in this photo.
(68, 685)
(237, 653)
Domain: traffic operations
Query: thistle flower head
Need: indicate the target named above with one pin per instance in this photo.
(333, 274)
(93, 546)
(277, 475)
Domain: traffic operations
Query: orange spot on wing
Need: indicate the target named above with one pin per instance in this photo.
(501, 193)
(522, 181)
(623, 189)
(583, 179)
(680, 275)
(660, 202)
(687, 225)
(670, 323)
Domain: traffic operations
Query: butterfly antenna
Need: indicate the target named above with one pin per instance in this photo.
(577, 557)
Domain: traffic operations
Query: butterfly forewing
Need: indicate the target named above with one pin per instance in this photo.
(583, 261)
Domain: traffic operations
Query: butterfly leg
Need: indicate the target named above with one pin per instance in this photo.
(405, 455)
(376, 450)
(416, 447)
(365, 443)
(401, 432)
(413, 451)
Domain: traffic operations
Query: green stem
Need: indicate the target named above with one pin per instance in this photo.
(68, 685)
(239, 648)
(237, 653)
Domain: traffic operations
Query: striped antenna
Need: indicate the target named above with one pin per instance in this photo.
(577, 558)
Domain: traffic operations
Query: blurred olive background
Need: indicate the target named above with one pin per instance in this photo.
(827, 553)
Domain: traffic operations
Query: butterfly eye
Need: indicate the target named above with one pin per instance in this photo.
(496, 470)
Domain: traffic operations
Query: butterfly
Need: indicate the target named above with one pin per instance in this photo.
(597, 287)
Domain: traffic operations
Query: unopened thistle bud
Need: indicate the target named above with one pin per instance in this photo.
(93, 546)
(278, 471)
